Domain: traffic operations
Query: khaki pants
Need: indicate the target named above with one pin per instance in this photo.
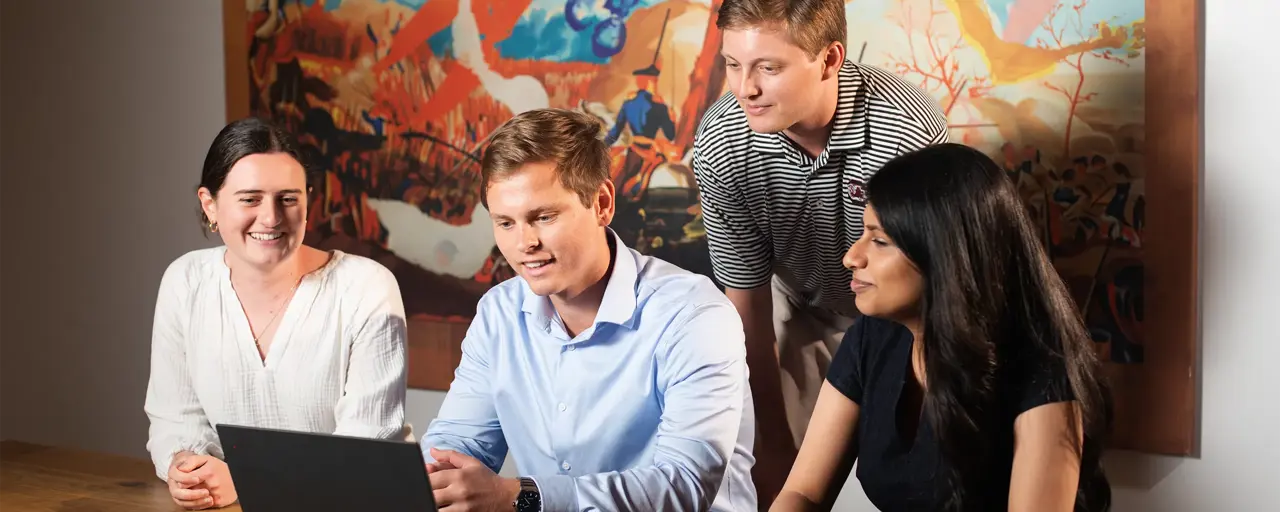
(807, 339)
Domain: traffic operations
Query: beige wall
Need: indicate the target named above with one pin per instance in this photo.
(108, 107)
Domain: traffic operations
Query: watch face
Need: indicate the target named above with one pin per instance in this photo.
(528, 501)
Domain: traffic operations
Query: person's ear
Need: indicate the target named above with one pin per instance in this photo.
(208, 204)
(605, 203)
(832, 59)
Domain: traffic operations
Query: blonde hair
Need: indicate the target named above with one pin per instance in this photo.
(571, 141)
(810, 24)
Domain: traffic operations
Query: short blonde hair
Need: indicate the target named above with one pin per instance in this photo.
(571, 141)
(810, 24)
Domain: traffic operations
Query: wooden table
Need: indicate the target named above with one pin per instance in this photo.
(43, 478)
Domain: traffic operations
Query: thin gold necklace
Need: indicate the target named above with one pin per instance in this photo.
(266, 327)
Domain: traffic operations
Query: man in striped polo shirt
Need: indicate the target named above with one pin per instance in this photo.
(780, 163)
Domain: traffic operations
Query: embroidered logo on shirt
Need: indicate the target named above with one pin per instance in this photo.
(857, 192)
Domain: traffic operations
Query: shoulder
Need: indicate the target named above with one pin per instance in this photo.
(721, 117)
(863, 353)
(361, 273)
(869, 338)
(361, 286)
(686, 303)
(913, 107)
(662, 283)
(190, 269)
(721, 135)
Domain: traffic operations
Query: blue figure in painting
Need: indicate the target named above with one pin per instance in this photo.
(647, 116)
(644, 113)
(648, 119)
(610, 33)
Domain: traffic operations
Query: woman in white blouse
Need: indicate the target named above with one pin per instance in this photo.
(263, 330)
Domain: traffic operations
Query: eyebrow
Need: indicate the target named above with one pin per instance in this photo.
(552, 208)
(256, 191)
(769, 58)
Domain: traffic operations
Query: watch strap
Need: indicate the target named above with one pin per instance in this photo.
(530, 498)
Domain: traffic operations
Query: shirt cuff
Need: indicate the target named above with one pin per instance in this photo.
(557, 492)
(196, 447)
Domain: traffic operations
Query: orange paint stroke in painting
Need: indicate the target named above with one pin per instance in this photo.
(432, 17)
(495, 20)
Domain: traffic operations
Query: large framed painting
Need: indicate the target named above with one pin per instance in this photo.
(1090, 105)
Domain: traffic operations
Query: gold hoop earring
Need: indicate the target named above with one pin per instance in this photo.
(213, 227)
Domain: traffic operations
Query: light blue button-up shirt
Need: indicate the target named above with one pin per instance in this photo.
(647, 409)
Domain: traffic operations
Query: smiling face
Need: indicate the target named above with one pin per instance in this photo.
(777, 83)
(886, 283)
(261, 209)
(546, 233)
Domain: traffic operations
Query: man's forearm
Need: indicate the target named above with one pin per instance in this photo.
(755, 307)
(766, 383)
(762, 360)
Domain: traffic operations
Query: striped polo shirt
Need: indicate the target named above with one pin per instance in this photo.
(770, 208)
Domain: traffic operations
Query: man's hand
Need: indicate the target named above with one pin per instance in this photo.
(433, 467)
(462, 483)
(199, 482)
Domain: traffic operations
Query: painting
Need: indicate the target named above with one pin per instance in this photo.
(1089, 105)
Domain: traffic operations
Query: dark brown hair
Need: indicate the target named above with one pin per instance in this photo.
(810, 24)
(991, 296)
(571, 141)
(241, 138)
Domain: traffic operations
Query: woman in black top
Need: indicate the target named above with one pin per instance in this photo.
(970, 383)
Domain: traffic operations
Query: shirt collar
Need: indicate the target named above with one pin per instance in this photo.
(850, 128)
(618, 306)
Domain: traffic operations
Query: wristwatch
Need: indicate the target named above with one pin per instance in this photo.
(529, 499)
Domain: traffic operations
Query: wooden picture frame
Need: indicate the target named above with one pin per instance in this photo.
(1156, 404)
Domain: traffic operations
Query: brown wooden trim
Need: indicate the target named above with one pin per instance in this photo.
(1156, 400)
(235, 20)
(435, 349)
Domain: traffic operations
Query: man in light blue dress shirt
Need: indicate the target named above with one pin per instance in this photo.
(617, 381)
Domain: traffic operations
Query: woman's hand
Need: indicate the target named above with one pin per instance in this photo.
(198, 482)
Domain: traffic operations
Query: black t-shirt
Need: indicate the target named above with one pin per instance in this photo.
(871, 368)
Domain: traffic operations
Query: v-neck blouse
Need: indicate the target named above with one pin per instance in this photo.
(336, 363)
(871, 369)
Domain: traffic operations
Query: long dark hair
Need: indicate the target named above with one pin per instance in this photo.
(241, 138)
(991, 294)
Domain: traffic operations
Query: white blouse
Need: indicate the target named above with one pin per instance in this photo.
(336, 363)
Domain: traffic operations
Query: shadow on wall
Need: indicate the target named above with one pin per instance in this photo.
(1140, 471)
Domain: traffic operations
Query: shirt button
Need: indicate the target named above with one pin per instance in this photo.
(565, 465)
(563, 407)
(572, 348)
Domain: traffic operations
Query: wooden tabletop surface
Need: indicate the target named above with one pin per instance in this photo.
(44, 478)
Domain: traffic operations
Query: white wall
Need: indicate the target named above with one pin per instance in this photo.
(108, 107)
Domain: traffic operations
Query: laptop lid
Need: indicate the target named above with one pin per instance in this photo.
(285, 471)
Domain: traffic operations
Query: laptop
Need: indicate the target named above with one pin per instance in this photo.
(285, 471)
